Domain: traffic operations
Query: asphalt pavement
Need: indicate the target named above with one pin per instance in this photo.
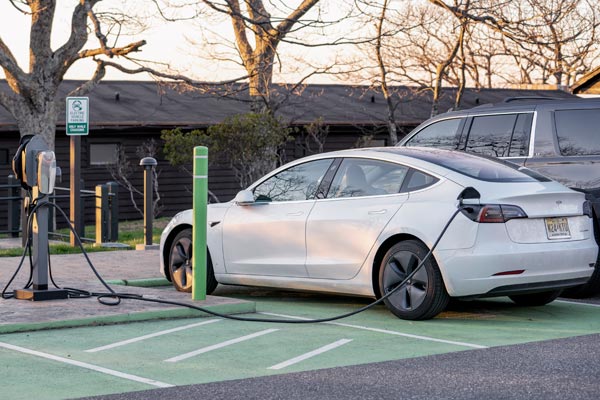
(556, 369)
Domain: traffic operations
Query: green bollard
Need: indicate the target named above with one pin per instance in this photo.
(200, 195)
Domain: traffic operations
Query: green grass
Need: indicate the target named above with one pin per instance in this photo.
(131, 233)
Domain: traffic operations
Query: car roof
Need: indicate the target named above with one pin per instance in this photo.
(428, 158)
(524, 104)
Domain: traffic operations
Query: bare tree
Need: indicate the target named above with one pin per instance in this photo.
(391, 119)
(259, 27)
(32, 100)
(548, 40)
(560, 38)
(122, 171)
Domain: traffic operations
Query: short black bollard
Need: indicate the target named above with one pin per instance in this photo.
(113, 213)
(101, 214)
(14, 206)
(148, 163)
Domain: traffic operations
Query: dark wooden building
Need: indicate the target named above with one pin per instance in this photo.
(124, 114)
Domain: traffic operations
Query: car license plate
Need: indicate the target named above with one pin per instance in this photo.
(558, 228)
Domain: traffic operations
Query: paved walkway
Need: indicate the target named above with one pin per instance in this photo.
(73, 271)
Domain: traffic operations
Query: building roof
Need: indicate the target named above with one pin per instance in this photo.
(588, 84)
(125, 104)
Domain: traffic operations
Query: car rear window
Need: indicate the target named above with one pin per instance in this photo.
(479, 167)
(578, 131)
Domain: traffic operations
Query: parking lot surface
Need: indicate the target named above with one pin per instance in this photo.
(173, 353)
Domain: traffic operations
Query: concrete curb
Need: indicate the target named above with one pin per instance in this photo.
(167, 313)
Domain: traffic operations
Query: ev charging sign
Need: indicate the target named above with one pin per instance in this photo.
(78, 116)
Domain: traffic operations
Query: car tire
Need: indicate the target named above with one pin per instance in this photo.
(424, 296)
(535, 299)
(180, 264)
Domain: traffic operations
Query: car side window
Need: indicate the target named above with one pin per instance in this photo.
(299, 182)
(490, 134)
(362, 177)
(418, 180)
(578, 131)
(441, 134)
(499, 135)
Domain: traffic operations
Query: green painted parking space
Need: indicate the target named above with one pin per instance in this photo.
(87, 361)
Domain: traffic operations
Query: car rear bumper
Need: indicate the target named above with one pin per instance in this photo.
(517, 268)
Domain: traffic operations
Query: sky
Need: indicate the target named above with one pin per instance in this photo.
(167, 43)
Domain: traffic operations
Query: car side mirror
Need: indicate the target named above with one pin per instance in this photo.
(244, 198)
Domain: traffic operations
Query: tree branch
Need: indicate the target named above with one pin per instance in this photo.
(284, 26)
(111, 51)
(239, 29)
(175, 77)
(92, 83)
(67, 54)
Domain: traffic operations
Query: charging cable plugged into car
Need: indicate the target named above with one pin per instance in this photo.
(37, 245)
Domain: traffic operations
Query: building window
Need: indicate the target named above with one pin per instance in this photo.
(104, 154)
(4, 157)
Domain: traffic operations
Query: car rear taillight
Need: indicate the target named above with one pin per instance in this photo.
(493, 213)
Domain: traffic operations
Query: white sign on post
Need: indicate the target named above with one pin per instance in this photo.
(78, 116)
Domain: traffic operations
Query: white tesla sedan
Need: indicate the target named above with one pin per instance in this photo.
(359, 221)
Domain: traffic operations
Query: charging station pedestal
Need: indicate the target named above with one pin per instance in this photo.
(37, 167)
(39, 290)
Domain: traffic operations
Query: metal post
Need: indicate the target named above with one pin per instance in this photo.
(148, 163)
(113, 214)
(13, 206)
(200, 196)
(75, 208)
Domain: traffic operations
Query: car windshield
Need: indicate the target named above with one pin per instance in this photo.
(476, 166)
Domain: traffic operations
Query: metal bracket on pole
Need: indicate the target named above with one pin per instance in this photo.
(200, 195)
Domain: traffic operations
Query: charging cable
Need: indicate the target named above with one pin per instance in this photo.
(112, 298)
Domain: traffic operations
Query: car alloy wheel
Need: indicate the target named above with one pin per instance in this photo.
(180, 261)
(424, 295)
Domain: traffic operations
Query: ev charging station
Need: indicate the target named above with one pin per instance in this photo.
(34, 165)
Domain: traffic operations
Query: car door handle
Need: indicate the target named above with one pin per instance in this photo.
(376, 212)
(295, 214)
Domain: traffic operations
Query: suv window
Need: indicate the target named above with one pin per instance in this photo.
(299, 182)
(441, 134)
(504, 135)
(578, 131)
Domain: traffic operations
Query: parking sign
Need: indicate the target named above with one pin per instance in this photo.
(78, 116)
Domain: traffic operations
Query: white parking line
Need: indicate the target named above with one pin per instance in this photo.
(220, 345)
(151, 335)
(310, 354)
(576, 303)
(475, 346)
(92, 367)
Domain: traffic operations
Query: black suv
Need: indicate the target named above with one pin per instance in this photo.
(559, 138)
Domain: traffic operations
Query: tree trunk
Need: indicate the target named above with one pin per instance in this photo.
(261, 77)
(40, 120)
